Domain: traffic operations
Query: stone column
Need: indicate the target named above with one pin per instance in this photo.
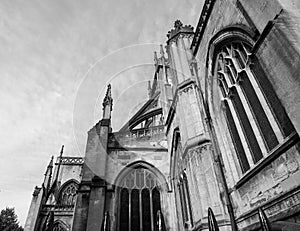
(82, 207)
(96, 204)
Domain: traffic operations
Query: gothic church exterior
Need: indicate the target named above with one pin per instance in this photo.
(220, 130)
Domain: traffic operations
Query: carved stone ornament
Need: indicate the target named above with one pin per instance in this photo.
(108, 98)
(180, 28)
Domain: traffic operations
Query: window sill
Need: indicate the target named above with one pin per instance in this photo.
(287, 144)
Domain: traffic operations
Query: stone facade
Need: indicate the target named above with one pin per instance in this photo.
(220, 131)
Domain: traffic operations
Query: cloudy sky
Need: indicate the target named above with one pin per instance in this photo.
(56, 57)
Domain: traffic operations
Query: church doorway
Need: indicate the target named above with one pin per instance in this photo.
(139, 201)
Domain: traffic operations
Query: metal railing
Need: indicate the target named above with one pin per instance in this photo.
(265, 224)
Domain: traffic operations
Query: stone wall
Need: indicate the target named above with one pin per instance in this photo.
(270, 26)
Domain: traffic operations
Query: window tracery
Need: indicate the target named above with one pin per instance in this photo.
(255, 117)
(139, 200)
(182, 190)
(59, 227)
(68, 194)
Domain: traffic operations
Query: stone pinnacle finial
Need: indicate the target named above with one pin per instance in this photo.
(51, 162)
(178, 24)
(212, 222)
(108, 98)
(50, 166)
(179, 28)
(162, 53)
(62, 150)
(155, 57)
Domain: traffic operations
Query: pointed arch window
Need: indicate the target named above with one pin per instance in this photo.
(68, 194)
(186, 206)
(59, 227)
(256, 120)
(140, 201)
(182, 187)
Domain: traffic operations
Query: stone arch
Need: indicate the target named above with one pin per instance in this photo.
(212, 96)
(234, 32)
(141, 164)
(138, 195)
(59, 225)
(241, 100)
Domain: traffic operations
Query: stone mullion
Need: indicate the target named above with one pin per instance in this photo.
(260, 95)
(129, 207)
(141, 209)
(241, 133)
(252, 120)
(265, 105)
(151, 210)
(232, 73)
(242, 59)
(237, 121)
(249, 112)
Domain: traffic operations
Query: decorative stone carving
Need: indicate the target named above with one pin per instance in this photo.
(179, 28)
(72, 160)
(108, 99)
(68, 194)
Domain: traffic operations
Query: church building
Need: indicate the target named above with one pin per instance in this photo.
(215, 147)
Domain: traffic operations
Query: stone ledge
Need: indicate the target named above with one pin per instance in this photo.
(287, 144)
(278, 208)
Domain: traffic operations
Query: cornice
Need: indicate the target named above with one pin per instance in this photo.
(205, 14)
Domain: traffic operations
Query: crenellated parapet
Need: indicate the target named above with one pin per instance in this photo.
(179, 29)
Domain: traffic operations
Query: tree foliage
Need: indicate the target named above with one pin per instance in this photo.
(9, 220)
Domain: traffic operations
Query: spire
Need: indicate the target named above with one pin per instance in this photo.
(59, 163)
(107, 99)
(48, 174)
(212, 222)
(162, 52)
(50, 165)
(54, 185)
(107, 103)
(155, 58)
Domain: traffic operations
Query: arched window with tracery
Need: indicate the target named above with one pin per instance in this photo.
(59, 227)
(182, 192)
(139, 200)
(255, 118)
(68, 194)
